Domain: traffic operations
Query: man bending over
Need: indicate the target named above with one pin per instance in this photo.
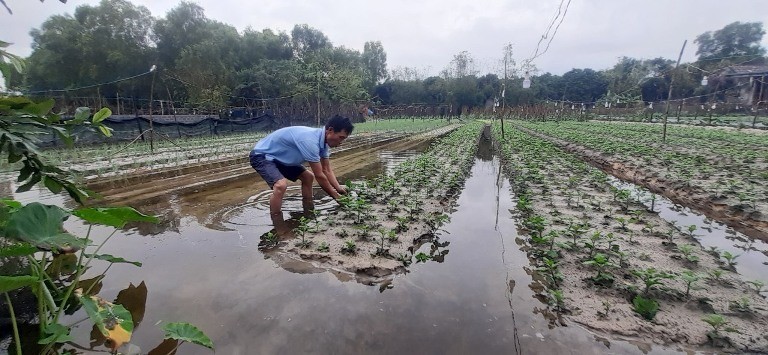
(280, 156)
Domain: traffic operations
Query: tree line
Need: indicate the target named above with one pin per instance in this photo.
(205, 63)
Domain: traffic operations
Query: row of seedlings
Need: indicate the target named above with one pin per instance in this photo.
(730, 167)
(384, 220)
(606, 256)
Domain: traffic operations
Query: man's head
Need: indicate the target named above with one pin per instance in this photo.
(337, 130)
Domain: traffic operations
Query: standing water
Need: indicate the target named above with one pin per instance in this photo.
(479, 297)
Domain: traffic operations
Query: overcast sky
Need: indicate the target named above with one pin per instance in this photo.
(427, 34)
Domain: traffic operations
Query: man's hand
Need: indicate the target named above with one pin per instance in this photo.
(342, 190)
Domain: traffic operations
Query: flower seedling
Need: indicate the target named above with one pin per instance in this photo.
(404, 258)
(323, 247)
(757, 285)
(690, 278)
(349, 248)
(730, 258)
(645, 307)
(302, 230)
(687, 251)
(607, 306)
(717, 322)
(602, 264)
(422, 258)
(550, 267)
(740, 305)
(557, 300)
(270, 239)
(652, 277)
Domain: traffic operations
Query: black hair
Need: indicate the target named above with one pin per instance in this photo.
(339, 123)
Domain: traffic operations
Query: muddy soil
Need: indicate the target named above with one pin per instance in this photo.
(753, 223)
(645, 241)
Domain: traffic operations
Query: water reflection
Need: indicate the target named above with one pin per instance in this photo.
(752, 262)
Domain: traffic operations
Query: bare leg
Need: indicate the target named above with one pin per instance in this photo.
(276, 201)
(307, 179)
(281, 227)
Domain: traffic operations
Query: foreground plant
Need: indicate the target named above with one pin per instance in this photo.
(34, 233)
(646, 307)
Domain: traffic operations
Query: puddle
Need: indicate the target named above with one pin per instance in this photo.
(752, 262)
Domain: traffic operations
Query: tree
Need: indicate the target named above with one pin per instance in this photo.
(583, 85)
(375, 63)
(462, 65)
(99, 44)
(735, 39)
(183, 26)
(307, 41)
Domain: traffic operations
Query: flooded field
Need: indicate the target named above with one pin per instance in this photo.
(477, 293)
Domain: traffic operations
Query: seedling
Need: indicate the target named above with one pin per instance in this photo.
(323, 247)
(535, 224)
(687, 251)
(422, 258)
(651, 277)
(342, 234)
(646, 307)
(557, 300)
(270, 239)
(757, 285)
(622, 223)
(730, 258)
(302, 230)
(607, 306)
(716, 275)
(691, 229)
(689, 277)
(741, 305)
(717, 322)
(550, 267)
(602, 263)
(404, 258)
(349, 248)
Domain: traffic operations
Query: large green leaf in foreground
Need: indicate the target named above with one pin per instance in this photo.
(187, 332)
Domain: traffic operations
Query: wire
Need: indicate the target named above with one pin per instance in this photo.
(88, 86)
(546, 34)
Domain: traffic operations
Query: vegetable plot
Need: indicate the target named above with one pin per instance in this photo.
(613, 264)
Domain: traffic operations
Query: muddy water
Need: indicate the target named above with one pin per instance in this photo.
(478, 299)
(752, 260)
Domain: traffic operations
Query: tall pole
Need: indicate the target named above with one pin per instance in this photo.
(669, 95)
(504, 96)
(318, 98)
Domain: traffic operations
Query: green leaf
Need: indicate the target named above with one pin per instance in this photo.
(13, 204)
(57, 333)
(22, 249)
(113, 216)
(112, 320)
(41, 226)
(114, 259)
(81, 115)
(10, 283)
(31, 182)
(106, 131)
(102, 115)
(52, 184)
(40, 109)
(187, 332)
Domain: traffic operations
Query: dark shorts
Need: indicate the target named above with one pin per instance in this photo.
(272, 170)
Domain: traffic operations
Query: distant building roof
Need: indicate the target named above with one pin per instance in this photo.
(736, 71)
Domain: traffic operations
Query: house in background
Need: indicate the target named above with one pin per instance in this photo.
(751, 82)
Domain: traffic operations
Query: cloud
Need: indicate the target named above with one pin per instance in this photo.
(426, 34)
